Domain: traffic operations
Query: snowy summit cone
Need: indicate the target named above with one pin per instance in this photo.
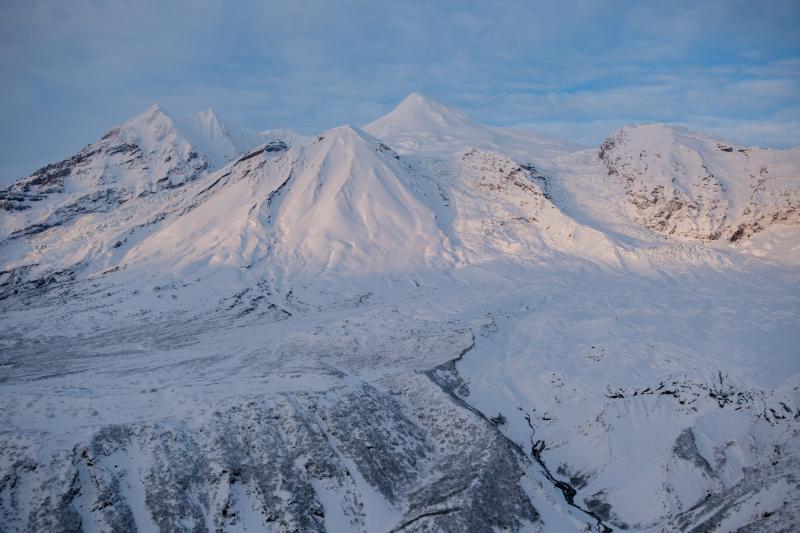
(343, 204)
(348, 205)
(421, 124)
(420, 112)
(419, 121)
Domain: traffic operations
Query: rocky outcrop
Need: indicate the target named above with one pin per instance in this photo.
(292, 462)
(693, 186)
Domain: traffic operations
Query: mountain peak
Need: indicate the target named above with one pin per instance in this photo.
(149, 128)
(153, 110)
(420, 107)
(288, 136)
(666, 135)
(216, 137)
(207, 114)
(155, 107)
(415, 99)
(350, 143)
(419, 119)
(346, 131)
(153, 117)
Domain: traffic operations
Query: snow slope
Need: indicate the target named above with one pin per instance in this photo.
(219, 141)
(696, 186)
(342, 205)
(421, 125)
(431, 325)
(150, 152)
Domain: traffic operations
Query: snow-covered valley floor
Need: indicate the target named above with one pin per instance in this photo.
(654, 396)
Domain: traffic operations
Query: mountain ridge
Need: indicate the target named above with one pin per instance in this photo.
(448, 328)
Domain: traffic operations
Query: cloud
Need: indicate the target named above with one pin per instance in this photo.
(73, 70)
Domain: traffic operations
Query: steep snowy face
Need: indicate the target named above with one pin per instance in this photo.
(421, 125)
(148, 153)
(219, 141)
(343, 204)
(497, 210)
(695, 186)
(350, 204)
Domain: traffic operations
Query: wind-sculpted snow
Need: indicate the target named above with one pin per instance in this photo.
(442, 327)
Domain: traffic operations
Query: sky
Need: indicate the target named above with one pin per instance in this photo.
(573, 69)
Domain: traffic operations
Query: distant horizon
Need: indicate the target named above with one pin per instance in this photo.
(576, 72)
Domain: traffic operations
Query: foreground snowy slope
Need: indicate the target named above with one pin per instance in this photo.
(434, 325)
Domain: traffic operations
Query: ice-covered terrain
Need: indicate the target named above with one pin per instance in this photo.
(423, 325)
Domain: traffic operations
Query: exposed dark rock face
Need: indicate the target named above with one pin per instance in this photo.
(97, 202)
(106, 168)
(476, 479)
(768, 516)
(20, 281)
(686, 448)
(669, 182)
(278, 458)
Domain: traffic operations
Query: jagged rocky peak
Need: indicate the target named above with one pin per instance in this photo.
(148, 130)
(696, 186)
(138, 155)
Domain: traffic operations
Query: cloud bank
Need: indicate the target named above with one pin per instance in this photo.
(575, 69)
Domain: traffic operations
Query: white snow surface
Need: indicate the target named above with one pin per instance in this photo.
(219, 140)
(421, 125)
(426, 324)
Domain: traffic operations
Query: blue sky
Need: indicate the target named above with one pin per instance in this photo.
(578, 70)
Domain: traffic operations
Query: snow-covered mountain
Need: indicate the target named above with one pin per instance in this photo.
(421, 125)
(342, 205)
(148, 153)
(700, 187)
(217, 140)
(425, 325)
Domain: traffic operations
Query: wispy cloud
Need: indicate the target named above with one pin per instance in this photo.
(575, 68)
